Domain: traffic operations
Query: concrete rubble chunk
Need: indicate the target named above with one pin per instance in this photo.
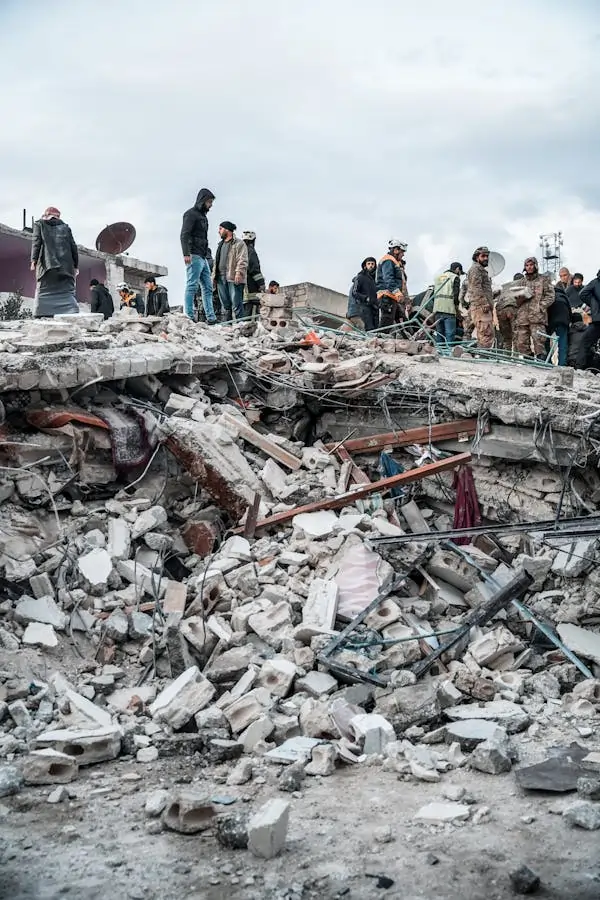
(524, 880)
(139, 626)
(583, 815)
(243, 712)
(38, 635)
(494, 644)
(156, 803)
(117, 626)
(96, 567)
(241, 773)
(373, 731)
(19, 713)
(491, 756)
(510, 715)
(295, 749)
(41, 585)
(267, 829)
(581, 641)
(232, 831)
(323, 760)
(189, 813)
(11, 780)
(471, 732)
(43, 610)
(576, 558)
(149, 520)
(86, 747)
(277, 676)
(316, 524)
(182, 699)
(272, 624)
(319, 610)
(231, 664)
(316, 684)
(441, 813)
(119, 538)
(49, 767)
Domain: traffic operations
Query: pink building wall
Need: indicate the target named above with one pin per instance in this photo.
(15, 274)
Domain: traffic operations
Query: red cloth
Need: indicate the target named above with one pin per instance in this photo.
(467, 513)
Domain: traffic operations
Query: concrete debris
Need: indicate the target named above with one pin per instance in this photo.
(86, 747)
(188, 813)
(524, 880)
(11, 780)
(267, 829)
(583, 815)
(441, 813)
(182, 699)
(49, 767)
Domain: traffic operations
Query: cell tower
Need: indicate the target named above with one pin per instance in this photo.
(550, 245)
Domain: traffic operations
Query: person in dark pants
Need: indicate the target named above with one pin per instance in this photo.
(157, 298)
(446, 289)
(590, 296)
(100, 299)
(390, 281)
(363, 307)
(559, 319)
(55, 260)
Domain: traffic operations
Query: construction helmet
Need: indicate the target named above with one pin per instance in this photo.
(123, 286)
(394, 242)
(248, 235)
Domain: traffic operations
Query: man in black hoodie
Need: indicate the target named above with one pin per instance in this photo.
(157, 298)
(100, 299)
(590, 296)
(363, 306)
(559, 319)
(197, 255)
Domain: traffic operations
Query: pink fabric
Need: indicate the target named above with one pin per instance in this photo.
(467, 513)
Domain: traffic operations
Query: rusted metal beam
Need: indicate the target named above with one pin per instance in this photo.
(374, 487)
(251, 518)
(356, 473)
(443, 432)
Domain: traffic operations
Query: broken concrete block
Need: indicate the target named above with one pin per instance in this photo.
(241, 773)
(175, 600)
(511, 716)
(244, 580)
(11, 780)
(277, 676)
(316, 524)
(317, 684)
(232, 831)
(272, 624)
(243, 712)
(42, 609)
(237, 547)
(140, 626)
(440, 813)
(147, 754)
(583, 815)
(323, 760)
(88, 710)
(183, 698)
(119, 538)
(576, 558)
(494, 644)
(423, 772)
(39, 635)
(230, 665)
(58, 795)
(19, 713)
(196, 633)
(189, 813)
(144, 579)
(589, 787)
(96, 567)
(86, 747)
(581, 641)
(491, 756)
(267, 829)
(149, 520)
(117, 626)
(315, 720)
(41, 585)
(49, 767)
(471, 732)
(296, 749)
(260, 730)
(319, 610)
(155, 803)
(373, 732)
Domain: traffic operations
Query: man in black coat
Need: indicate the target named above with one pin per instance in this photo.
(196, 255)
(157, 299)
(255, 280)
(590, 296)
(100, 299)
(363, 305)
(559, 319)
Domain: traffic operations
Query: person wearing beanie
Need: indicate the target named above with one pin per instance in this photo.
(590, 296)
(533, 301)
(363, 306)
(230, 270)
(446, 291)
(55, 261)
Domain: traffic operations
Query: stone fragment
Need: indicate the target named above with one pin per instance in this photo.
(423, 773)
(258, 731)
(277, 676)
(494, 644)
(491, 756)
(232, 664)
(19, 713)
(581, 641)
(511, 716)
(575, 559)
(439, 813)
(373, 731)
(294, 750)
(232, 831)
(49, 767)
(43, 610)
(583, 815)
(558, 773)
(323, 760)
(200, 537)
(11, 780)
(149, 520)
(589, 788)
(117, 626)
(267, 829)
(471, 732)
(58, 795)
(147, 754)
(155, 803)
(524, 880)
(316, 684)
(96, 567)
(291, 777)
(243, 712)
(272, 624)
(316, 524)
(139, 626)
(41, 585)
(318, 611)
(189, 813)
(86, 747)
(315, 720)
(89, 711)
(183, 698)
(119, 538)
(8, 641)
(241, 774)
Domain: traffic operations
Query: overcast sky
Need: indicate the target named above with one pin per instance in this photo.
(327, 126)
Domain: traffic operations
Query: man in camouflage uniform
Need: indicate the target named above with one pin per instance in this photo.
(532, 312)
(479, 298)
(506, 312)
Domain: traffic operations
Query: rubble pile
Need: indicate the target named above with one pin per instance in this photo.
(198, 583)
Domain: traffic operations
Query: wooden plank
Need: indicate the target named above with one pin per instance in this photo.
(356, 473)
(444, 431)
(385, 484)
(262, 442)
(251, 518)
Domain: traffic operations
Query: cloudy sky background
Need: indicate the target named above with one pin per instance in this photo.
(327, 126)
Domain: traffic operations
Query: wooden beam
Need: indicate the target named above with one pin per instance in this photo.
(375, 487)
(445, 431)
(356, 473)
(263, 442)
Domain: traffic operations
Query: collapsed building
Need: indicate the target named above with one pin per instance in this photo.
(309, 548)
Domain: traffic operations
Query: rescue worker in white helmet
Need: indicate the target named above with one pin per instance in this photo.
(130, 298)
(390, 281)
(255, 281)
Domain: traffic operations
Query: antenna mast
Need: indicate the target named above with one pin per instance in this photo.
(550, 245)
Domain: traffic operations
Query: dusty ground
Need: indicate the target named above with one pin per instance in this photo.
(98, 846)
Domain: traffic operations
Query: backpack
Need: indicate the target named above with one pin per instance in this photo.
(354, 302)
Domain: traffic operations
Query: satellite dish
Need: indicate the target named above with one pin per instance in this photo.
(115, 239)
(496, 264)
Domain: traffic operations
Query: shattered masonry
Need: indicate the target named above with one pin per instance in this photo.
(222, 541)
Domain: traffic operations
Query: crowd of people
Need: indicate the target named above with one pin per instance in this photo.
(520, 317)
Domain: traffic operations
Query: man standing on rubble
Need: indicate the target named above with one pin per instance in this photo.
(196, 255)
(157, 299)
(390, 281)
(590, 296)
(231, 267)
(480, 298)
(574, 290)
(363, 306)
(55, 260)
(533, 302)
(506, 312)
(446, 291)
(255, 280)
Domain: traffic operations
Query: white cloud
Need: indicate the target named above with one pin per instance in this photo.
(327, 128)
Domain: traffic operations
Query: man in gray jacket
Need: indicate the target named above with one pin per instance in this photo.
(229, 274)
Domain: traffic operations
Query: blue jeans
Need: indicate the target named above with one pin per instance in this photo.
(198, 271)
(562, 332)
(445, 328)
(231, 295)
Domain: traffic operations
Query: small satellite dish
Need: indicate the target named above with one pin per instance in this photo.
(115, 239)
(496, 264)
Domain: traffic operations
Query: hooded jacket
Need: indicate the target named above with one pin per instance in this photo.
(255, 280)
(101, 301)
(590, 295)
(559, 312)
(194, 230)
(362, 293)
(157, 301)
(53, 248)
(573, 293)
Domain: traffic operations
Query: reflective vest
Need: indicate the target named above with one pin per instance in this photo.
(443, 292)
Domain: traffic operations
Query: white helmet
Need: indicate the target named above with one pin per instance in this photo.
(248, 235)
(394, 242)
(122, 286)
